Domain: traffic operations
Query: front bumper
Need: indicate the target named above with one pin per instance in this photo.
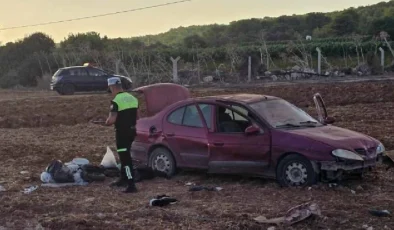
(350, 165)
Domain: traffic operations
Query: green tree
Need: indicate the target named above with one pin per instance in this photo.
(382, 24)
(91, 40)
(346, 23)
(194, 41)
(316, 20)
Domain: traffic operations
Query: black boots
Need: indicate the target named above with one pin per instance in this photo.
(123, 183)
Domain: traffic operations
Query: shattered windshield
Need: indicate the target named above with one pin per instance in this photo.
(282, 114)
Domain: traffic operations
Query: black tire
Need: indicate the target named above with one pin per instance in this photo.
(68, 89)
(295, 170)
(59, 92)
(161, 159)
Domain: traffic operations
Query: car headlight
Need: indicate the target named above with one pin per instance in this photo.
(346, 154)
(380, 149)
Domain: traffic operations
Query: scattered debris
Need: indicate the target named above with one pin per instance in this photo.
(30, 189)
(200, 188)
(294, 215)
(162, 200)
(380, 213)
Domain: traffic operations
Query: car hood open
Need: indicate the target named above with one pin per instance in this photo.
(337, 137)
(158, 96)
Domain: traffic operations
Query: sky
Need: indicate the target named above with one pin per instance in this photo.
(150, 21)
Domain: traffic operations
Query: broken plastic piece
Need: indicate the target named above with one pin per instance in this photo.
(294, 215)
(109, 160)
(380, 213)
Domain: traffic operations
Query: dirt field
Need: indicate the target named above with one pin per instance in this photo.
(36, 127)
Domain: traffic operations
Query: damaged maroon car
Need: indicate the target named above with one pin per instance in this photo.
(247, 134)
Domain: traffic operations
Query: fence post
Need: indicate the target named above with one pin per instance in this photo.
(382, 58)
(249, 69)
(117, 63)
(175, 68)
(318, 60)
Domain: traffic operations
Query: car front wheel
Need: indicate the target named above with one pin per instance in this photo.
(162, 160)
(295, 170)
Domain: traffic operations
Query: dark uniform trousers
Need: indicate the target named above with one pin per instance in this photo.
(124, 139)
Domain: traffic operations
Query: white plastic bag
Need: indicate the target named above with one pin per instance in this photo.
(109, 160)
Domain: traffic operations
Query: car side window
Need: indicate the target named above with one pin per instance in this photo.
(95, 72)
(229, 121)
(191, 117)
(236, 116)
(176, 117)
(206, 110)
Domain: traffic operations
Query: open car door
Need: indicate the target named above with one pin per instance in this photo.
(158, 96)
(321, 110)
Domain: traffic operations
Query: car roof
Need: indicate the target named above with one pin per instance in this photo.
(73, 67)
(243, 98)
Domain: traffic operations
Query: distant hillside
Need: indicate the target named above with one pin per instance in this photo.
(365, 20)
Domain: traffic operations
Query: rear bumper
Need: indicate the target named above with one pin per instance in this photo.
(54, 87)
(350, 165)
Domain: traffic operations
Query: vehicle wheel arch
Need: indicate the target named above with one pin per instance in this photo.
(284, 155)
(156, 146)
(313, 167)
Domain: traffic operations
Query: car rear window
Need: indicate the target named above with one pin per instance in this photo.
(61, 72)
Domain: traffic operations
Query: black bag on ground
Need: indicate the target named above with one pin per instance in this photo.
(92, 173)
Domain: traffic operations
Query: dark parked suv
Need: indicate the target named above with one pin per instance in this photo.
(68, 80)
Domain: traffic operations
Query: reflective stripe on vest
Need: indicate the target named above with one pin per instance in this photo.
(126, 101)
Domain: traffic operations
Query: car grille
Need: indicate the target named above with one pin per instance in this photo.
(365, 152)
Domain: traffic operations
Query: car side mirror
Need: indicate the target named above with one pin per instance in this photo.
(252, 130)
(329, 120)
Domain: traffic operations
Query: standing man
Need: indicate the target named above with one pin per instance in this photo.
(123, 114)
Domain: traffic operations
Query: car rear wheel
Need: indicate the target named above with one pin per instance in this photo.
(68, 89)
(295, 170)
(162, 160)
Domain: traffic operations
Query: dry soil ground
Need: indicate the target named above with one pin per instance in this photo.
(36, 127)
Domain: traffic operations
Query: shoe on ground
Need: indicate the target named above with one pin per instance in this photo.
(119, 183)
(130, 189)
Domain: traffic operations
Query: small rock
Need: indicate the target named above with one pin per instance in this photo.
(370, 228)
(359, 188)
(310, 188)
(267, 73)
(271, 228)
(24, 172)
(90, 199)
(2, 189)
(208, 79)
(353, 192)
(287, 77)
(258, 77)
(296, 68)
(274, 77)
(365, 226)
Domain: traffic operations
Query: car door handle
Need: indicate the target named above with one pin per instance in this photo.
(170, 134)
(218, 143)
